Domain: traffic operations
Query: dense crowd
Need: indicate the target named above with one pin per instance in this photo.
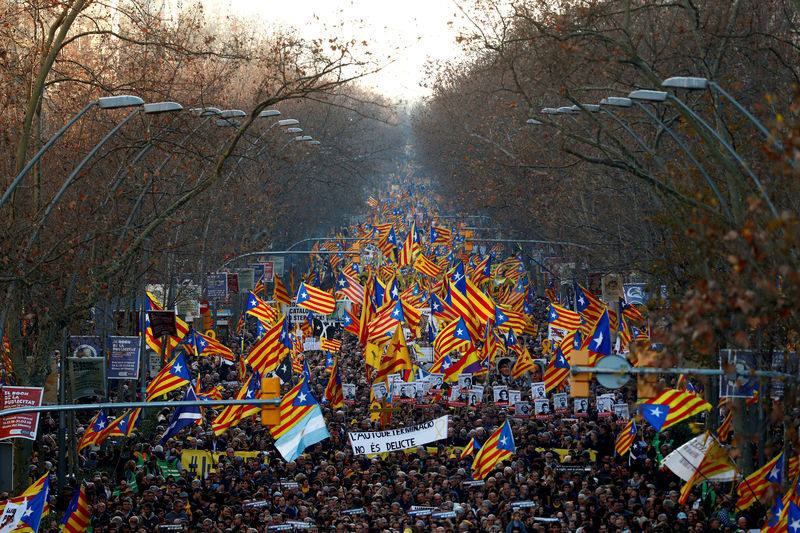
(564, 477)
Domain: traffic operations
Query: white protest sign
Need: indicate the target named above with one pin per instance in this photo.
(369, 442)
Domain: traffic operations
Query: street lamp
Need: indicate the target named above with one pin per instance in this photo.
(294, 130)
(155, 108)
(661, 96)
(626, 102)
(269, 113)
(694, 84)
(106, 102)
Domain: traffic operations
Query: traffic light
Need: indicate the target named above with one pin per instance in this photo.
(270, 414)
(647, 386)
(579, 386)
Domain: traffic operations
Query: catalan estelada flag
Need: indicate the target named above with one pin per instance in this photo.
(671, 407)
(754, 486)
(524, 364)
(96, 431)
(76, 518)
(290, 413)
(498, 447)
(25, 512)
(625, 438)
(269, 351)
(260, 309)
(557, 371)
(470, 449)
(396, 358)
(454, 336)
(561, 317)
(333, 392)
(125, 424)
(233, 414)
(314, 299)
(172, 376)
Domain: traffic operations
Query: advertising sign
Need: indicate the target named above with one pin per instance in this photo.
(123, 361)
(83, 346)
(233, 283)
(86, 377)
(24, 425)
(217, 286)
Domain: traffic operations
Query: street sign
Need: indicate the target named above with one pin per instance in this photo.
(269, 271)
(22, 425)
(620, 365)
(217, 286)
(123, 361)
(277, 265)
(233, 283)
(86, 377)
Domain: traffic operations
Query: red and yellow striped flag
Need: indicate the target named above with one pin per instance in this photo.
(289, 413)
(76, 518)
(725, 428)
(396, 357)
(427, 267)
(524, 363)
(333, 392)
(754, 486)
(279, 293)
(715, 461)
(625, 438)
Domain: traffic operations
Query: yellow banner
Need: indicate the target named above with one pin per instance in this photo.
(563, 452)
(200, 462)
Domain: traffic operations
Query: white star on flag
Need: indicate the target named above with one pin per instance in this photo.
(177, 368)
(656, 412)
(599, 339)
(302, 397)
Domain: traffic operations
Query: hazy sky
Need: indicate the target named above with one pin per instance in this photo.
(410, 31)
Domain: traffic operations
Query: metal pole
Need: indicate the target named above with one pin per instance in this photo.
(62, 416)
(134, 405)
(285, 252)
(534, 241)
(691, 156)
(697, 371)
(730, 149)
(638, 139)
(73, 175)
(753, 119)
(41, 152)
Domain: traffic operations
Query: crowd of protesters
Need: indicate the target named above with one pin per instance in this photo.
(564, 476)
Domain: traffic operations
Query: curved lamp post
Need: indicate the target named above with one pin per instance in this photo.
(106, 102)
(661, 96)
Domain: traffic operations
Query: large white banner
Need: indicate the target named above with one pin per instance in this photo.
(369, 442)
(684, 461)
